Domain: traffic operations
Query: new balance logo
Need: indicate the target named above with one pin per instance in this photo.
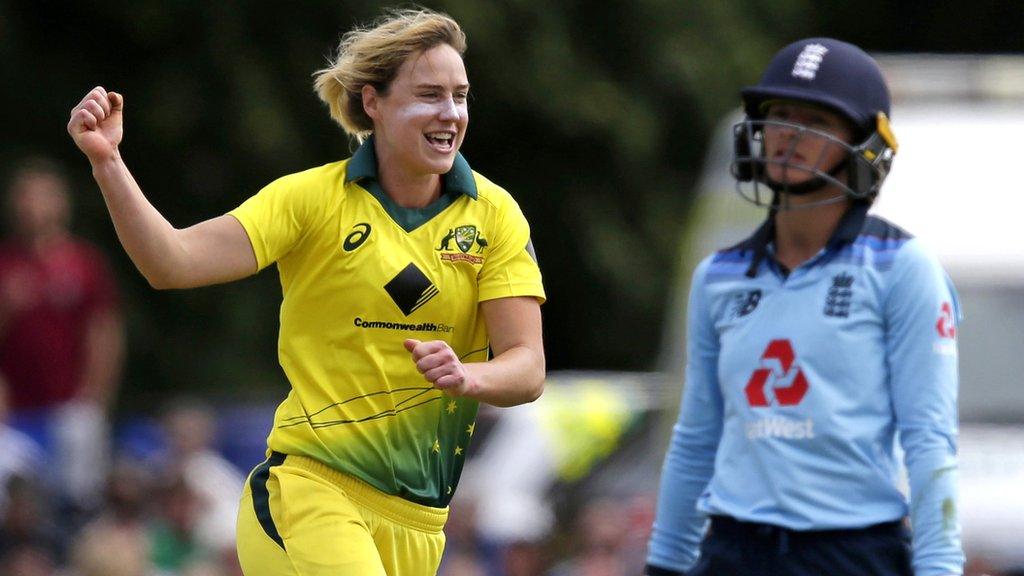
(410, 289)
(808, 62)
(745, 302)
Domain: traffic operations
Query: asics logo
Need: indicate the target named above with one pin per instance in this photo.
(360, 232)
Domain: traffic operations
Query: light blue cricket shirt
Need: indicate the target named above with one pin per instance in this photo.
(797, 384)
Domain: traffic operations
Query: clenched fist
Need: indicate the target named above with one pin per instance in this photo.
(440, 366)
(95, 124)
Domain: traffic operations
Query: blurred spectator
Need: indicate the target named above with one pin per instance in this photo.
(640, 510)
(466, 553)
(462, 564)
(190, 427)
(602, 531)
(175, 548)
(21, 456)
(28, 560)
(117, 543)
(60, 330)
(525, 558)
(29, 538)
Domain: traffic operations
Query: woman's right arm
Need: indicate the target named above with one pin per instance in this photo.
(689, 463)
(217, 250)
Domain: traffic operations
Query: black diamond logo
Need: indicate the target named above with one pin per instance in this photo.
(411, 289)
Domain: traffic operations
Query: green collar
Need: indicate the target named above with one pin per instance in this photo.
(362, 169)
(363, 165)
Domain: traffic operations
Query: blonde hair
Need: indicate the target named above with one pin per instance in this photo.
(373, 54)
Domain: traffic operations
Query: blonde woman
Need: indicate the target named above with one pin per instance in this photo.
(411, 293)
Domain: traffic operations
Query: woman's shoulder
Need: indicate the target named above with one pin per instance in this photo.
(325, 176)
(894, 248)
(879, 228)
(880, 235)
(491, 193)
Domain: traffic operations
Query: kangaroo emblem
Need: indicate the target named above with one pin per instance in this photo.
(446, 240)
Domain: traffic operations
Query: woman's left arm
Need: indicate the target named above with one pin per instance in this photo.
(515, 374)
(921, 319)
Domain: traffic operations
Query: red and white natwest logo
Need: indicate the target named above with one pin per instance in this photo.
(786, 381)
(946, 326)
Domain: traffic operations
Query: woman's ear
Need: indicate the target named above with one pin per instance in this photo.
(371, 101)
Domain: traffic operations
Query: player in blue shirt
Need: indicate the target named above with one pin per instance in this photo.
(811, 347)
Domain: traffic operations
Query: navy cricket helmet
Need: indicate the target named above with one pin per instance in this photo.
(837, 76)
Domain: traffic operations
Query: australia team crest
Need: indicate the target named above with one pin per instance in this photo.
(468, 240)
(465, 237)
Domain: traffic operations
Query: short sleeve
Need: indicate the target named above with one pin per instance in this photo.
(511, 267)
(275, 218)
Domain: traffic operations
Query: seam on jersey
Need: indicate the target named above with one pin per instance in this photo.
(890, 280)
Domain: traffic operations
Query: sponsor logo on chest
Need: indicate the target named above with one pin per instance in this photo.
(778, 382)
(779, 427)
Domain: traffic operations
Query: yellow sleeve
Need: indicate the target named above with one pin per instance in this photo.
(275, 218)
(511, 267)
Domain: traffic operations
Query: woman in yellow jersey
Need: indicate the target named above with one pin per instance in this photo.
(411, 293)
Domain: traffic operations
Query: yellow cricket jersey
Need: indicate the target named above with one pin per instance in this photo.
(359, 276)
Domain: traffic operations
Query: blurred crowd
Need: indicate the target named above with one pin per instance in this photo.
(603, 537)
(170, 511)
(71, 501)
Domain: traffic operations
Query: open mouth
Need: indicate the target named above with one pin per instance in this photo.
(441, 141)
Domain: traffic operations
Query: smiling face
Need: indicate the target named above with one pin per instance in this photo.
(792, 155)
(420, 121)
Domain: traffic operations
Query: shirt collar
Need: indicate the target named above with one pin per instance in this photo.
(849, 227)
(363, 165)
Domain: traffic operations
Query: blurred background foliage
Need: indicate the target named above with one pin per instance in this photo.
(595, 115)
